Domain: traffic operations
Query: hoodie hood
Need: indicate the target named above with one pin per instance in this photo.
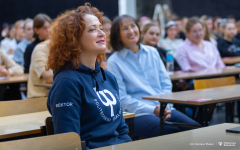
(84, 69)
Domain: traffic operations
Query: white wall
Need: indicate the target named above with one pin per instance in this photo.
(127, 7)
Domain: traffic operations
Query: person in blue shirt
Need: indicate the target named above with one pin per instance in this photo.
(20, 49)
(140, 72)
(83, 98)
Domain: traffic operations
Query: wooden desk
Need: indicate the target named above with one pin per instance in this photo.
(205, 73)
(186, 140)
(217, 95)
(24, 124)
(214, 95)
(27, 124)
(231, 60)
(15, 79)
(66, 141)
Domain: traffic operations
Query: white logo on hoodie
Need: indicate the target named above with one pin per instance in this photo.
(108, 101)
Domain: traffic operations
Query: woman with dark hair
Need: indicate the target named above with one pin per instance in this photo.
(140, 72)
(229, 46)
(170, 40)
(151, 33)
(84, 98)
(107, 24)
(4, 31)
(195, 53)
(41, 28)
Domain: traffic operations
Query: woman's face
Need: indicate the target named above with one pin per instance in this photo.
(152, 36)
(230, 30)
(107, 29)
(209, 24)
(195, 34)
(19, 30)
(29, 30)
(216, 23)
(43, 32)
(93, 37)
(12, 33)
(172, 32)
(129, 32)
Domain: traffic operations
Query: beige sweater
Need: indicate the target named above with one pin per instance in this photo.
(11, 66)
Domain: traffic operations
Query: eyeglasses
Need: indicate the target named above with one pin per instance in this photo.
(195, 32)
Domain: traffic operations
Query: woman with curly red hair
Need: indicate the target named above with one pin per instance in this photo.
(84, 98)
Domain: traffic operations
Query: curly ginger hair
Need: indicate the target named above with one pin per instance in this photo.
(66, 32)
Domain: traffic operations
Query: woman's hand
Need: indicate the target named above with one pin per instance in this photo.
(4, 71)
(167, 112)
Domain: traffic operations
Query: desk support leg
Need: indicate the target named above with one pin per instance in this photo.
(205, 115)
(163, 105)
(130, 122)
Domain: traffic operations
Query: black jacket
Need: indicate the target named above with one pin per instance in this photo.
(163, 53)
(228, 49)
(28, 54)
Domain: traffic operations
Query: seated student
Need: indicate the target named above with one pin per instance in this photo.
(41, 28)
(195, 53)
(107, 24)
(180, 33)
(4, 31)
(140, 72)
(170, 40)
(19, 35)
(37, 72)
(231, 18)
(10, 37)
(84, 98)
(9, 67)
(150, 35)
(220, 28)
(20, 49)
(229, 45)
(207, 22)
(238, 30)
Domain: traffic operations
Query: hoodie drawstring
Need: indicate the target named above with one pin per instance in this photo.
(104, 78)
(103, 74)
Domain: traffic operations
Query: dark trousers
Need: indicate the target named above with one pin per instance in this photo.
(10, 92)
(147, 126)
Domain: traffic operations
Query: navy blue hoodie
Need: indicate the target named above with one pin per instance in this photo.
(87, 102)
(228, 49)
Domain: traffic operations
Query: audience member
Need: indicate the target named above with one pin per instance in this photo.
(107, 24)
(208, 24)
(5, 42)
(150, 35)
(170, 40)
(37, 72)
(91, 94)
(238, 29)
(19, 35)
(231, 18)
(41, 28)
(215, 25)
(21, 47)
(228, 45)
(4, 31)
(195, 53)
(140, 72)
(180, 33)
